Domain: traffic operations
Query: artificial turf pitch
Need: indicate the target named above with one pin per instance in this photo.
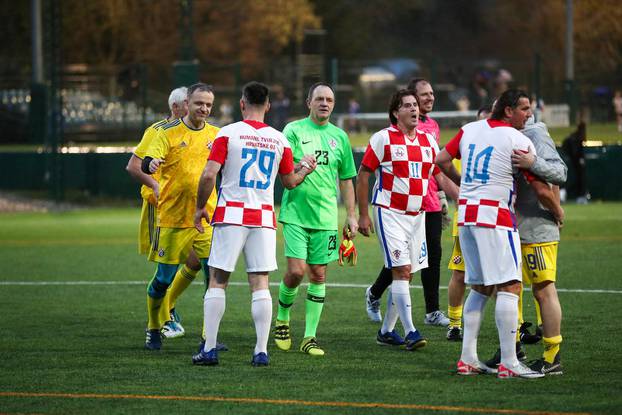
(72, 301)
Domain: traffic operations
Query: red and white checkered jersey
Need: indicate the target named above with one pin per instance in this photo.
(252, 154)
(487, 187)
(403, 168)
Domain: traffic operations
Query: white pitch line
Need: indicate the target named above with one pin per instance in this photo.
(273, 284)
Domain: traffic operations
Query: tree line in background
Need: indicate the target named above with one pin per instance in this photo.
(254, 32)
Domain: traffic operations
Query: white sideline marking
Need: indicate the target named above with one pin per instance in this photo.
(273, 284)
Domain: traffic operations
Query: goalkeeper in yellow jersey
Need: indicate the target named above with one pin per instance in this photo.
(178, 152)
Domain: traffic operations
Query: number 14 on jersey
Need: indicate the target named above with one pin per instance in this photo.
(477, 165)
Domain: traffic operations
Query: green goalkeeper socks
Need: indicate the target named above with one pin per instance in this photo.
(286, 299)
(314, 305)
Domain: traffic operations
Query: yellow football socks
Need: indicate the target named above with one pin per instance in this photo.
(153, 312)
(183, 279)
(551, 347)
(455, 316)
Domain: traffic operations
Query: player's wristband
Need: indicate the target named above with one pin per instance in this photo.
(144, 166)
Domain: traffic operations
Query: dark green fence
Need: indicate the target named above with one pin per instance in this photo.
(103, 174)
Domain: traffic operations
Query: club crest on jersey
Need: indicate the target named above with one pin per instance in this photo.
(161, 253)
(183, 144)
(209, 145)
(399, 152)
(456, 259)
(332, 143)
(397, 253)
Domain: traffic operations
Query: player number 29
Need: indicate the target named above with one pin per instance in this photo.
(264, 160)
(477, 167)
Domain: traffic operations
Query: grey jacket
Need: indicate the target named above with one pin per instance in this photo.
(535, 223)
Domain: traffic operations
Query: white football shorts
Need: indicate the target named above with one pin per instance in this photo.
(491, 256)
(402, 238)
(258, 245)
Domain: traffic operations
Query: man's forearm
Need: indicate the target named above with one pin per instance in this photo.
(206, 185)
(547, 197)
(362, 193)
(347, 194)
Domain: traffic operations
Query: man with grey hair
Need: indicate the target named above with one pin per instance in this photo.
(149, 191)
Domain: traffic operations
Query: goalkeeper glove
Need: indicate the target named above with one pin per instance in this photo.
(347, 251)
(444, 209)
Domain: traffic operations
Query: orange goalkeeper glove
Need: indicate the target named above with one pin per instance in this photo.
(347, 251)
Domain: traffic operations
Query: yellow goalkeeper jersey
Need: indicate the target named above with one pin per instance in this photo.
(140, 151)
(185, 151)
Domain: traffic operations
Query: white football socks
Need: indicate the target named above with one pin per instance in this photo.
(506, 316)
(213, 309)
(472, 315)
(261, 309)
(391, 316)
(401, 298)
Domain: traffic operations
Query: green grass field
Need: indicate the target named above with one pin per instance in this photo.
(607, 133)
(72, 291)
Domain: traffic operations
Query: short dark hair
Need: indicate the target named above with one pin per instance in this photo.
(412, 85)
(201, 87)
(510, 99)
(316, 85)
(255, 93)
(396, 102)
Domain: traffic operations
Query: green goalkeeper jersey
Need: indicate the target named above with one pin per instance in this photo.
(313, 203)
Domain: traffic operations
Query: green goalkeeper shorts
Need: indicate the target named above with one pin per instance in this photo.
(315, 246)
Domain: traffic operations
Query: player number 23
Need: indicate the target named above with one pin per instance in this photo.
(477, 166)
(264, 160)
(321, 156)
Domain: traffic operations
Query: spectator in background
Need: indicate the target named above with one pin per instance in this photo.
(501, 82)
(617, 108)
(226, 112)
(463, 103)
(537, 107)
(279, 109)
(573, 147)
(478, 92)
(353, 109)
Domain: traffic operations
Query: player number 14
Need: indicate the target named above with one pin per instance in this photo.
(477, 167)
